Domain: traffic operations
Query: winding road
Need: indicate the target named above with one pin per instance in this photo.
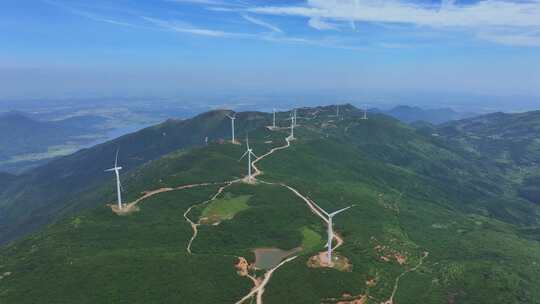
(396, 284)
(194, 225)
(259, 285)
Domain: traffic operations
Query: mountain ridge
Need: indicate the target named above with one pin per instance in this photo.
(427, 225)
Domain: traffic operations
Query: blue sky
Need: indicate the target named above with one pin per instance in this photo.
(59, 47)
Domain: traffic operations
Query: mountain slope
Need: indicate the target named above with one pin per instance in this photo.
(410, 114)
(41, 195)
(421, 231)
(510, 141)
(27, 142)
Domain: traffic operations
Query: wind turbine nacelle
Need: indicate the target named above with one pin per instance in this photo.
(114, 169)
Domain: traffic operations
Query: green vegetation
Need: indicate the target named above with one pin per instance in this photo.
(225, 208)
(414, 193)
(311, 240)
(69, 184)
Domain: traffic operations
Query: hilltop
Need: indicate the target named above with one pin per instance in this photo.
(432, 222)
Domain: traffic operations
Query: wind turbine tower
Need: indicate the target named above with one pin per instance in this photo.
(337, 111)
(249, 153)
(116, 170)
(365, 114)
(292, 126)
(274, 119)
(331, 231)
(233, 117)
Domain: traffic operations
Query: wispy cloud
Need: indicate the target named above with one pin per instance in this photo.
(521, 16)
(104, 19)
(89, 15)
(321, 25)
(211, 2)
(482, 13)
(189, 29)
(262, 23)
(140, 21)
(182, 27)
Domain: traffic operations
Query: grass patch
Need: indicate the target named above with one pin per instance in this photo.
(225, 208)
(311, 240)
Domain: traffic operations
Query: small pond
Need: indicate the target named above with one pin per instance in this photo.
(266, 258)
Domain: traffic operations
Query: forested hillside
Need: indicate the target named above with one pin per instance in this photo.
(432, 222)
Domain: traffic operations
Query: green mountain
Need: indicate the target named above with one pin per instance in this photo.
(509, 142)
(68, 184)
(433, 222)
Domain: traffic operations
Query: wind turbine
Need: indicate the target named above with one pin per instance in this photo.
(274, 119)
(295, 117)
(233, 117)
(116, 170)
(249, 153)
(337, 111)
(365, 114)
(331, 230)
(292, 126)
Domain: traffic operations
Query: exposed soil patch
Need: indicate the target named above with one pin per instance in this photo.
(387, 254)
(347, 298)
(126, 209)
(361, 300)
(372, 282)
(242, 267)
(320, 260)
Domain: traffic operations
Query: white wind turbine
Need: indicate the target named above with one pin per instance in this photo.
(116, 170)
(274, 119)
(233, 117)
(365, 114)
(331, 230)
(337, 111)
(292, 126)
(249, 153)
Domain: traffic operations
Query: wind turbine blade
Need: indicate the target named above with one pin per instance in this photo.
(319, 208)
(340, 210)
(109, 170)
(243, 155)
(254, 155)
(116, 158)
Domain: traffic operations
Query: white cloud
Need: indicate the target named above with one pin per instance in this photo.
(483, 13)
(321, 25)
(521, 16)
(262, 23)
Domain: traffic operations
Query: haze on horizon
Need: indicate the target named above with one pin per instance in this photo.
(356, 48)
